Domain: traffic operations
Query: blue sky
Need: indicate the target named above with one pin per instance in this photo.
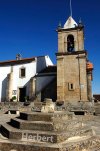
(29, 27)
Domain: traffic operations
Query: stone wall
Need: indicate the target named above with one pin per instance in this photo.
(50, 91)
(71, 77)
(71, 66)
(78, 39)
(89, 85)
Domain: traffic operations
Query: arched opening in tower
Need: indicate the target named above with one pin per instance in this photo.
(70, 43)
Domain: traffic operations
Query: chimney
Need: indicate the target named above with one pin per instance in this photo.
(18, 56)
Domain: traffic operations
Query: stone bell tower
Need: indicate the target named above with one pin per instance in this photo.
(71, 63)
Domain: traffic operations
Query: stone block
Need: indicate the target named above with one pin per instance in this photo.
(48, 107)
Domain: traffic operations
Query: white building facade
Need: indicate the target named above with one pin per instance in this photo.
(17, 77)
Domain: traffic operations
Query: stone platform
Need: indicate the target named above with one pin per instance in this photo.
(80, 144)
(43, 131)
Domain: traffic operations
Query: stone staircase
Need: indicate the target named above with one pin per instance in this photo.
(51, 130)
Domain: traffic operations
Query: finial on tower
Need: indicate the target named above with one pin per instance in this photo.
(80, 24)
(59, 25)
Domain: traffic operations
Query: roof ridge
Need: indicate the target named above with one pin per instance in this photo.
(17, 60)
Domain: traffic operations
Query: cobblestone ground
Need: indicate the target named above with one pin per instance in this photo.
(94, 123)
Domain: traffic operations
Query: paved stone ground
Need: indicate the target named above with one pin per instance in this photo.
(6, 118)
(94, 123)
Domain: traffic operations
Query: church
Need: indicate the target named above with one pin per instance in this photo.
(38, 78)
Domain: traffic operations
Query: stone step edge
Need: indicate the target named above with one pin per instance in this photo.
(9, 128)
(15, 145)
(13, 129)
(43, 122)
(25, 121)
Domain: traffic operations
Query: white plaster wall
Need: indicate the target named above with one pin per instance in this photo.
(48, 61)
(3, 80)
(41, 82)
(43, 62)
(31, 69)
(18, 82)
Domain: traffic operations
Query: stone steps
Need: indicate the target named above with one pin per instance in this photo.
(38, 116)
(30, 131)
(13, 145)
(56, 125)
(10, 132)
(35, 117)
(43, 136)
(28, 135)
(31, 125)
(31, 135)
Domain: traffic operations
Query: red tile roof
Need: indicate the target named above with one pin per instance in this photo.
(89, 66)
(13, 62)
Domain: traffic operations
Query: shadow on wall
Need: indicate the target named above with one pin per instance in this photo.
(50, 91)
(41, 63)
(3, 90)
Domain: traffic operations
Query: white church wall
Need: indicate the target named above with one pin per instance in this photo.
(48, 61)
(43, 62)
(42, 81)
(18, 82)
(32, 69)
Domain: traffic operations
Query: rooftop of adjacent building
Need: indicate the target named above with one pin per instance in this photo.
(22, 60)
(19, 60)
(89, 66)
(96, 97)
(48, 71)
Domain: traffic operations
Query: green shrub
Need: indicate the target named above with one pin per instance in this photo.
(14, 98)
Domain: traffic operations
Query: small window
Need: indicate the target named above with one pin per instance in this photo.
(22, 73)
(71, 86)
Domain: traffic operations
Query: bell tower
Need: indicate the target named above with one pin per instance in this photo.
(71, 62)
(71, 37)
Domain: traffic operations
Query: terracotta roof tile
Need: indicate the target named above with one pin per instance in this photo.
(13, 62)
(89, 66)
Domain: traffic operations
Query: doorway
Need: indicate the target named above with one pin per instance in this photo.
(22, 94)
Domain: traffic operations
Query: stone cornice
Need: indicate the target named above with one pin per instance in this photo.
(71, 53)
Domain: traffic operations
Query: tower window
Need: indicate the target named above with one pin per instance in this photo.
(22, 73)
(70, 43)
(71, 86)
